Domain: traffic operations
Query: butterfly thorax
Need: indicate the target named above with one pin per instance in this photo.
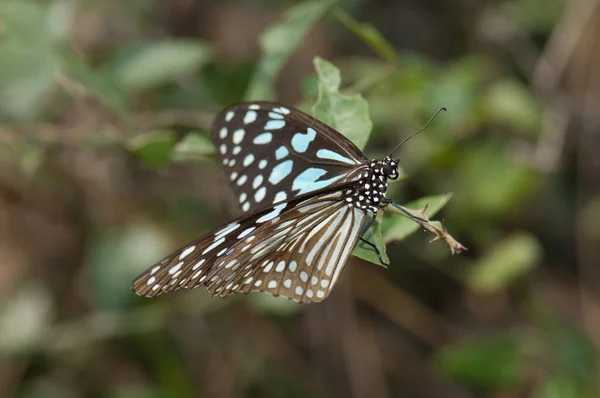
(369, 191)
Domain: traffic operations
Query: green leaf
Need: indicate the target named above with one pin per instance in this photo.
(493, 361)
(154, 147)
(278, 43)
(101, 84)
(155, 63)
(398, 228)
(29, 59)
(373, 235)
(26, 319)
(511, 103)
(370, 35)
(512, 257)
(347, 114)
(192, 147)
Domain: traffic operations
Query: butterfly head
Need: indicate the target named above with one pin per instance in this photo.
(390, 168)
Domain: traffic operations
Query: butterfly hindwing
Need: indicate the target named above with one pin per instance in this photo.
(294, 249)
(271, 153)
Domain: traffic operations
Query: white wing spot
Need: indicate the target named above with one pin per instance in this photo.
(280, 197)
(175, 268)
(150, 281)
(272, 284)
(263, 138)
(293, 266)
(237, 149)
(246, 206)
(243, 197)
(198, 264)
(280, 266)
(303, 276)
(254, 106)
(186, 252)
(233, 176)
(249, 280)
(258, 282)
(154, 270)
(249, 117)
(260, 194)
(215, 244)
(274, 213)
(229, 116)
(242, 180)
(262, 164)
(314, 280)
(324, 283)
(246, 232)
(320, 294)
(274, 124)
(155, 287)
(220, 253)
(287, 283)
(269, 266)
(309, 293)
(223, 149)
(257, 181)
(223, 133)
(238, 136)
(282, 110)
(299, 290)
(248, 160)
(227, 230)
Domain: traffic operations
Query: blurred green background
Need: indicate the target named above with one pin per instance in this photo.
(106, 166)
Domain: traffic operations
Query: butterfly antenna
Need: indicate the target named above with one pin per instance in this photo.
(418, 131)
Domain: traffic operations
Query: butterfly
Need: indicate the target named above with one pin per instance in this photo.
(308, 194)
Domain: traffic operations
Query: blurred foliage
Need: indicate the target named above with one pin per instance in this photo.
(106, 165)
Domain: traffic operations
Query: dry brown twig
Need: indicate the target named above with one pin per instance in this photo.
(435, 227)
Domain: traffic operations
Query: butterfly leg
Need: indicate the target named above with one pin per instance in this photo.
(405, 212)
(364, 231)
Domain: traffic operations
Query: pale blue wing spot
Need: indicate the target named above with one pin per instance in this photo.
(307, 180)
(328, 154)
(260, 194)
(257, 181)
(281, 171)
(262, 164)
(281, 152)
(249, 117)
(301, 141)
(248, 160)
(238, 136)
(280, 197)
(263, 138)
(275, 115)
(282, 109)
(274, 124)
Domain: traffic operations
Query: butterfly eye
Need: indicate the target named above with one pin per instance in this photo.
(390, 172)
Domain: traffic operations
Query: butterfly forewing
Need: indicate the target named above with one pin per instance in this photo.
(271, 153)
(294, 249)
